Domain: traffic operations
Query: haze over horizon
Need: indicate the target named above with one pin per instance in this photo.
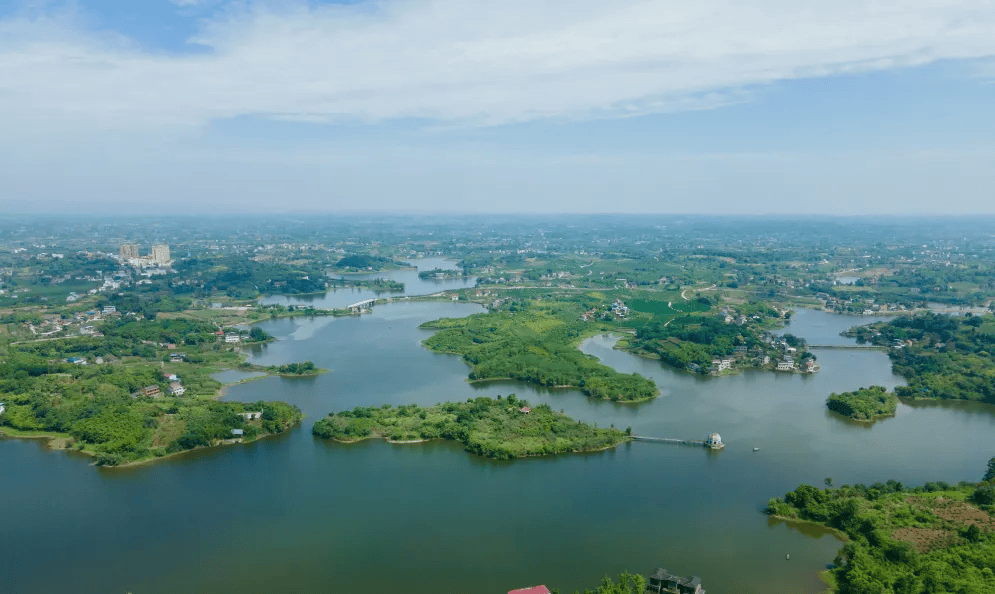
(213, 106)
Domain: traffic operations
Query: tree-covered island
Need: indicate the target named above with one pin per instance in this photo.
(865, 404)
(930, 539)
(502, 428)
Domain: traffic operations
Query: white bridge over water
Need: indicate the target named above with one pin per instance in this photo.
(361, 305)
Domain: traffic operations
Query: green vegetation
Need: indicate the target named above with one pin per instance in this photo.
(305, 368)
(535, 343)
(936, 538)
(362, 262)
(866, 404)
(628, 583)
(693, 342)
(940, 356)
(494, 428)
(441, 273)
(102, 410)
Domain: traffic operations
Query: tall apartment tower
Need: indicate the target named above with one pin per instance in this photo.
(129, 250)
(160, 254)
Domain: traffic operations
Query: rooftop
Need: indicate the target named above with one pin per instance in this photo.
(532, 590)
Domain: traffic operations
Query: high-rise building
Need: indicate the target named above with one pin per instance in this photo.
(160, 254)
(129, 250)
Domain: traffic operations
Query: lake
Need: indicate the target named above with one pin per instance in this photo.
(413, 285)
(293, 513)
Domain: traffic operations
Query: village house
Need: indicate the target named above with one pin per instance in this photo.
(176, 389)
(533, 590)
(663, 582)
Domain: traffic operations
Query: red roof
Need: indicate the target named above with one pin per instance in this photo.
(532, 590)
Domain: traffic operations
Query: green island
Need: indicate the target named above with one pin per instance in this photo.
(940, 356)
(132, 390)
(865, 404)
(536, 342)
(304, 369)
(934, 538)
(501, 428)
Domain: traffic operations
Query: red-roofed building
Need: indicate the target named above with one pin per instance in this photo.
(525, 410)
(532, 590)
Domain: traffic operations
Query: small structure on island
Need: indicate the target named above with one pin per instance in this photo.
(533, 590)
(525, 410)
(714, 441)
(664, 582)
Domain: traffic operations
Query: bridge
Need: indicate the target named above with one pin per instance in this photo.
(366, 304)
(695, 442)
(714, 441)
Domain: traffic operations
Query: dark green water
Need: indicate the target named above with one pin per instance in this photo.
(295, 514)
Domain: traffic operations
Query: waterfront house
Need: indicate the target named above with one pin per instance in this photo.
(151, 392)
(664, 582)
(533, 590)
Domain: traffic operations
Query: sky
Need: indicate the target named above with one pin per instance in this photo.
(632, 106)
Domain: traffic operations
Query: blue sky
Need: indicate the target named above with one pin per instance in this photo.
(519, 106)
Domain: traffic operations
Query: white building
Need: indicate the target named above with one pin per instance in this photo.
(160, 254)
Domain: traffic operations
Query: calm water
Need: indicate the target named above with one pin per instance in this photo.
(297, 514)
(413, 285)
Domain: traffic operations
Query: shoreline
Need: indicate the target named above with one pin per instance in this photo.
(626, 439)
(52, 437)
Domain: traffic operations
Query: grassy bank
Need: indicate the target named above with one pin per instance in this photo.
(501, 428)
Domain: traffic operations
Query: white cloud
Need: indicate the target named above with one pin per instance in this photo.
(467, 62)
